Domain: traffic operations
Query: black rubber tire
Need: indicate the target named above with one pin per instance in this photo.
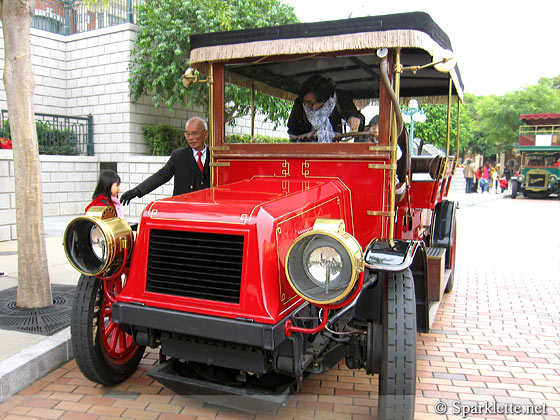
(397, 379)
(514, 188)
(89, 352)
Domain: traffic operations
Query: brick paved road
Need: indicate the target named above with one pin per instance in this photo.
(496, 339)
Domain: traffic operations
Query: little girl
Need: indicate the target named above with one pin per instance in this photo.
(107, 191)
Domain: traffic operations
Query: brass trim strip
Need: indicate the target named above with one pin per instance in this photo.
(284, 164)
(307, 176)
(381, 166)
(379, 213)
(394, 141)
(222, 148)
(215, 164)
(458, 152)
(381, 148)
(212, 139)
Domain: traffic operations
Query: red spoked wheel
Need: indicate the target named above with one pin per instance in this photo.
(104, 352)
(119, 346)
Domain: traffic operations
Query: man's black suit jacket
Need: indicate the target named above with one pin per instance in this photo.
(187, 174)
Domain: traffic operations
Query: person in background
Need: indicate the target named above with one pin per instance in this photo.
(318, 112)
(485, 179)
(477, 177)
(469, 175)
(106, 192)
(373, 128)
(503, 184)
(189, 165)
(495, 173)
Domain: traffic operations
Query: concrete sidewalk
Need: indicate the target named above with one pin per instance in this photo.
(26, 357)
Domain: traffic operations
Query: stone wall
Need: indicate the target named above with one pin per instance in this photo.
(243, 126)
(68, 184)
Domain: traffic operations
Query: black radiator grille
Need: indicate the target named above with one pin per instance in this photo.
(195, 264)
(536, 180)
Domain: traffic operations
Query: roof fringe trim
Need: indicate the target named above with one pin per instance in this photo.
(199, 57)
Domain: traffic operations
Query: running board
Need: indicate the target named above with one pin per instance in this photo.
(433, 306)
(273, 391)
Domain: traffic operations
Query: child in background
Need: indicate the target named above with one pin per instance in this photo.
(107, 192)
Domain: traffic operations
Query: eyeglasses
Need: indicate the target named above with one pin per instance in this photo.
(311, 104)
(193, 133)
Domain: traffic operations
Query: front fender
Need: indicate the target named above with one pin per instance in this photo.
(395, 255)
(442, 225)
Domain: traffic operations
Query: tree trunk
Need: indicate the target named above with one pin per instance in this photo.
(34, 289)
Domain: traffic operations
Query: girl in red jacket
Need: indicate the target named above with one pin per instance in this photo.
(107, 192)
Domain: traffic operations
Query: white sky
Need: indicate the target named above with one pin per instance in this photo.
(500, 45)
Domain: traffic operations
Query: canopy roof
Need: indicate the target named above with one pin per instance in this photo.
(540, 119)
(278, 59)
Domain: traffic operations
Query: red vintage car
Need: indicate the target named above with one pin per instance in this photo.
(300, 254)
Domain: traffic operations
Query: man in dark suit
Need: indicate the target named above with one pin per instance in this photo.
(189, 165)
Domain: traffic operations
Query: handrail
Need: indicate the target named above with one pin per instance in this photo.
(68, 17)
(58, 134)
(540, 129)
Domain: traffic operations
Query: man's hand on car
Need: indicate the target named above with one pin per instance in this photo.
(129, 195)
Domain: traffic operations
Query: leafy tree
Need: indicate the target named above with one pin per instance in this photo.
(496, 118)
(34, 289)
(434, 129)
(161, 51)
(490, 124)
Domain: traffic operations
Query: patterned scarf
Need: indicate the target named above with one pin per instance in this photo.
(319, 119)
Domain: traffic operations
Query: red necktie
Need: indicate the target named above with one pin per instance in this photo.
(200, 165)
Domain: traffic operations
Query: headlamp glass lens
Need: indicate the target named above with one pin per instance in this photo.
(324, 265)
(98, 243)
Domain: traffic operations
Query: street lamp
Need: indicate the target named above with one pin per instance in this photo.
(414, 115)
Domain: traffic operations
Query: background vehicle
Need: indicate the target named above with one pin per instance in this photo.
(539, 144)
(300, 254)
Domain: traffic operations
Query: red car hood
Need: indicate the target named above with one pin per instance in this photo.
(240, 202)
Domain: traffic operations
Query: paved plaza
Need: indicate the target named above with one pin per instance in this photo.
(494, 346)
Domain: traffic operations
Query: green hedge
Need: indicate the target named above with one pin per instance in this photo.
(163, 139)
(259, 138)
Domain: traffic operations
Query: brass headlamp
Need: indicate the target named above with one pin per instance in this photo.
(95, 243)
(324, 264)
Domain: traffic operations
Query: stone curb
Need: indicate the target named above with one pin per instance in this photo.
(25, 367)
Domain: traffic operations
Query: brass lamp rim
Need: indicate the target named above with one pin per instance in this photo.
(115, 244)
(354, 251)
